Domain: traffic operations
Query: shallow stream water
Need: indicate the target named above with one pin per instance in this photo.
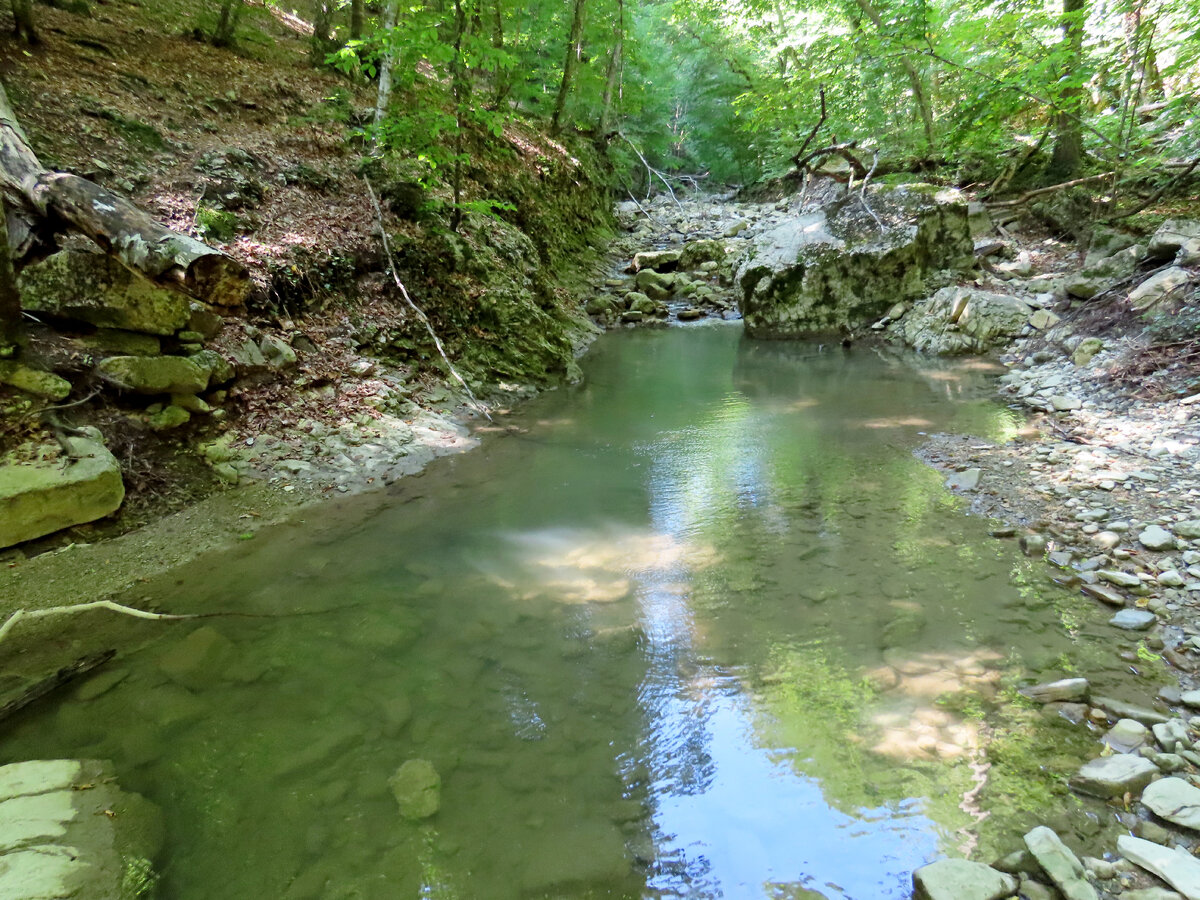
(699, 627)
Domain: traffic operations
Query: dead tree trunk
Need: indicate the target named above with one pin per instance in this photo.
(10, 299)
(44, 203)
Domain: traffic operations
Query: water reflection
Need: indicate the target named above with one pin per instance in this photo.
(700, 627)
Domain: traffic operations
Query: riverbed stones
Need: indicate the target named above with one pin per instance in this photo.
(961, 879)
(153, 374)
(1133, 619)
(1176, 867)
(1060, 863)
(1104, 594)
(1172, 735)
(1176, 800)
(68, 831)
(95, 288)
(1127, 735)
(417, 787)
(41, 497)
(1165, 287)
(1119, 578)
(1067, 689)
(833, 270)
(1155, 537)
(1113, 776)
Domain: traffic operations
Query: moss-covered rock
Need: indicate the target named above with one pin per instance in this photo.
(840, 268)
(154, 374)
(417, 788)
(95, 288)
(34, 381)
(39, 498)
(696, 253)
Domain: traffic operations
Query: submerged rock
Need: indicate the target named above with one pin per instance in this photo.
(961, 879)
(417, 788)
(1066, 689)
(40, 498)
(836, 270)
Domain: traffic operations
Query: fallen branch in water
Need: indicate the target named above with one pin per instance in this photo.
(53, 682)
(23, 614)
(387, 249)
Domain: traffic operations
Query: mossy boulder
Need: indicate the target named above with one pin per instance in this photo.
(655, 285)
(417, 788)
(696, 253)
(842, 267)
(34, 381)
(95, 288)
(39, 498)
(154, 374)
(658, 260)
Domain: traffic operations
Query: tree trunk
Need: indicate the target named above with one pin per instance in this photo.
(231, 11)
(10, 299)
(358, 15)
(23, 22)
(615, 63)
(322, 42)
(914, 77)
(390, 14)
(570, 65)
(1067, 158)
(44, 203)
(461, 87)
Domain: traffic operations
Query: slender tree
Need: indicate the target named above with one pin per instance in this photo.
(391, 14)
(613, 78)
(570, 64)
(227, 22)
(920, 96)
(322, 42)
(1068, 142)
(358, 16)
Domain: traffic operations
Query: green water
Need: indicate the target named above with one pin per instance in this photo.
(702, 627)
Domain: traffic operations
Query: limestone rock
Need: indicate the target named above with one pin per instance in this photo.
(1175, 800)
(1096, 277)
(34, 381)
(1177, 867)
(833, 270)
(1127, 735)
(961, 879)
(170, 417)
(1154, 537)
(277, 352)
(1066, 689)
(154, 374)
(1062, 865)
(658, 260)
(599, 305)
(643, 304)
(1133, 619)
(37, 499)
(655, 285)
(247, 358)
(1113, 776)
(1086, 351)
(696, 253)
(95, 288)
(417, 788)
(959, 320)
(1171, 236)
(1189, 529)
(219, 369)
(966, 480)
(67, 831)
(1168, 285)
(1119, 709)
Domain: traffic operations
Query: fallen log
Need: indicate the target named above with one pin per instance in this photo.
(42, 203)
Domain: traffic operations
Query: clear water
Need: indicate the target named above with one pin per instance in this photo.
(702, 627)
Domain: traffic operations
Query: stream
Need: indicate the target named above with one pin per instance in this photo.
(700, 627)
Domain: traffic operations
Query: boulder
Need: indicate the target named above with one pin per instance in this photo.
(1175, 800)
(154, 374)
(836, 270)
(1177, 867)
(641, 303)
(1086, 351)
(1060, 863)
(961, 879)
(1168, 285)
(277, 352)
(417, 788)
(219, 369)
(95, 288)
(39, 498)
(34, 381)
(1171, 236)
(599, 305)
(169, 417)
(115, 342)
(1104, 243)
(1127, 735)
(1093, 279)
(696, 253)
(1133, 619)
(655, 285)
(1155, 537)
(962, 320)
(1113, 776)
(67, 830)
(658, 260)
